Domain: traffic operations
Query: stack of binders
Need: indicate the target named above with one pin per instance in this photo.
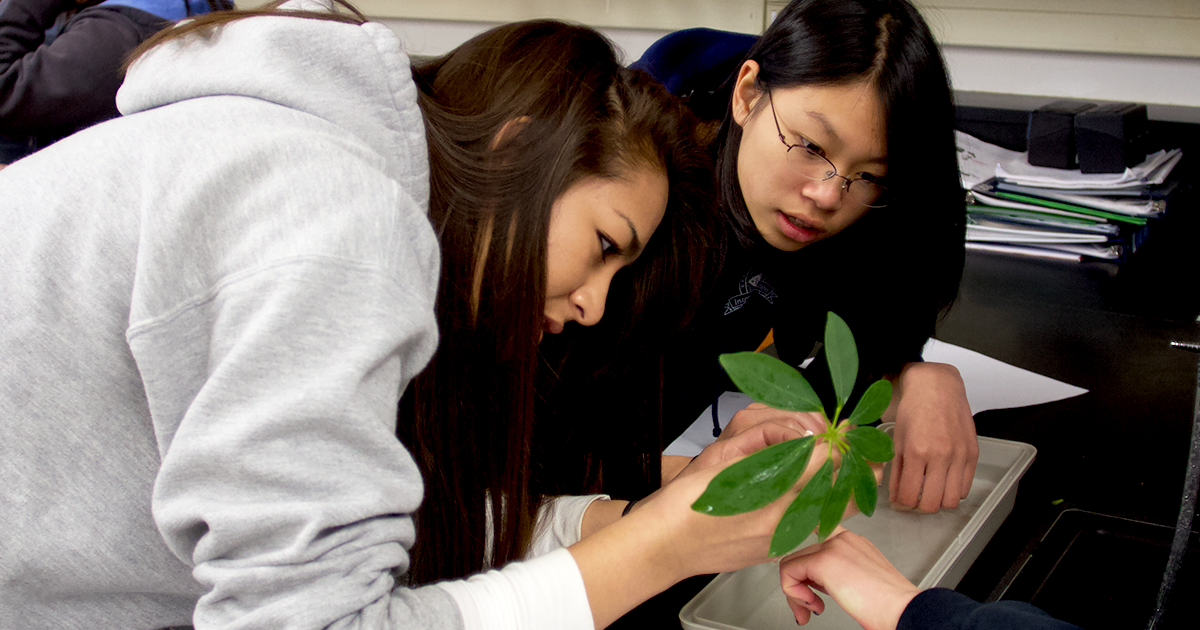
(1017, 208)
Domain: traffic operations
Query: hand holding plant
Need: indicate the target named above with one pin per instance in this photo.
(760, 479)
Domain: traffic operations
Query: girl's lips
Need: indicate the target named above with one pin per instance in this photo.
(553, 327)
(802, 233)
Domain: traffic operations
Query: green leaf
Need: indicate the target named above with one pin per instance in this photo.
(770, 381)
(871, 444)
(757, 480)
(836, 502)
(862, 482)
(841, 354)
(803, 515)
(873, 403)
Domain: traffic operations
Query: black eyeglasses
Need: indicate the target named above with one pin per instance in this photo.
(865, 189)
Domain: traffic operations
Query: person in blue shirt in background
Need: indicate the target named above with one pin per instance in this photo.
(61, 62)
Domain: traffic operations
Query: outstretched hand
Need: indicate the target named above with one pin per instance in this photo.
(936, 446)
(854, 573)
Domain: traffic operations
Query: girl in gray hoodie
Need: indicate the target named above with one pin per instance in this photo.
(221, 308)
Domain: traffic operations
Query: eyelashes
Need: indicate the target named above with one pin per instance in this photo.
(607, 246)
(812, 146)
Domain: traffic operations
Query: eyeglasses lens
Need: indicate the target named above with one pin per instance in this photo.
(813, 165)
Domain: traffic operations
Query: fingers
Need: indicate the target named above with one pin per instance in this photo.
(802, 609)
(894, 478)
(972, 460)
(927, 486)
(933, 488)
(969, 474)
(960, 475)
(747, 442)
(797, 586)
(758, 413)
(801, 613)
(854, 573)
(910, 483)
(952, 489)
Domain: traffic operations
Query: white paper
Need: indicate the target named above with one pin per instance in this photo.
(1152, 171)
(700, 434)
(1024, 250)
(991, 384)
(1003, 234)
(977, 160)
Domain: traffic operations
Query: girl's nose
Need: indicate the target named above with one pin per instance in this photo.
(827, 194)
(588, 300)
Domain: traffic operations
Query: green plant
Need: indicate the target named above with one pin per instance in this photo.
(763, 477)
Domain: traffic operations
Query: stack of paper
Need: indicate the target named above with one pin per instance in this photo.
(1031, 210)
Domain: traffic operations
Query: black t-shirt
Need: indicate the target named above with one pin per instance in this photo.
(762, 290)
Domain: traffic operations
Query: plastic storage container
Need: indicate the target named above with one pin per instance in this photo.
(929, 549)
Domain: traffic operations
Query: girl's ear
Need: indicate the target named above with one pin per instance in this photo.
(745, 92)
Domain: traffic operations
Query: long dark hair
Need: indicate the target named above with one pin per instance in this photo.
(514, 117)
(919, 237)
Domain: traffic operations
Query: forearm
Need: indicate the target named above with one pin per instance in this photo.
(672, 465)
(923, 376)
(607, 559)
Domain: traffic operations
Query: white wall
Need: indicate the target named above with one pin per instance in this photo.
(1171, 85)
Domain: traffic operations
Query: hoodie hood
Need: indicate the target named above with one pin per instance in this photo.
(354, 76)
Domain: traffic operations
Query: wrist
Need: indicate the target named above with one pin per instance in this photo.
(630, 546)
(929, 372)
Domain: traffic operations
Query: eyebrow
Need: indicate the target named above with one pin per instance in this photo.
(635, 243)
(829, 130)
(832, 133)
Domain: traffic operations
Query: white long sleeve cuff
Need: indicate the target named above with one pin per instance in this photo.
(545, 593)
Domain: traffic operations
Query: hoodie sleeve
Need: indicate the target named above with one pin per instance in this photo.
(282, 301)
(283, 485)
(944, 609)
(53, 89)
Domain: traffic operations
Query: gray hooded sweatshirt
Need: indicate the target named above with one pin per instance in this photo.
(208, 311)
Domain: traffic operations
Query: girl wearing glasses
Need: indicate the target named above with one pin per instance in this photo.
(837, 169)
